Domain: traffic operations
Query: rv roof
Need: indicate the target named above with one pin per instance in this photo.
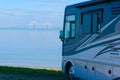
(91, 2)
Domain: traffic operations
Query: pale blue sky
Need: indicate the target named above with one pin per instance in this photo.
(23, 12)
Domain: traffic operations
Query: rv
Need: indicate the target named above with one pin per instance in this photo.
(91, 40)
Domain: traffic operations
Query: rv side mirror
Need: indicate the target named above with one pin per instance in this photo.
(61, 35)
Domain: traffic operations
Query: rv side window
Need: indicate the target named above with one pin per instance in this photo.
(70, 26)
(72, 29)
(91, 22)
(67, 30)
(87, 23)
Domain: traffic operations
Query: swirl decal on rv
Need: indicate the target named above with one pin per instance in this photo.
(114, 47)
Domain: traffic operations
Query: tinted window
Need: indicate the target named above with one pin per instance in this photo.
(70, 26)
(67, 30)
(87, 23)
(94, 24)
(73, 29)
(91, 22)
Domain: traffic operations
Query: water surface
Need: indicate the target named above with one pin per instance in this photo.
(33, 48)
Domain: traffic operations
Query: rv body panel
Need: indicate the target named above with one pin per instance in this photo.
(92, 39)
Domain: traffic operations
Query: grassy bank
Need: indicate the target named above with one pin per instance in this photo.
(19, 73)
(30, 71)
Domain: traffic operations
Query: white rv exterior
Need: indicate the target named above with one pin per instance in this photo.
(91, 40)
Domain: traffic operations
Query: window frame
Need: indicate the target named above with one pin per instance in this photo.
(100, 10)
(70, 33)
(92, 11)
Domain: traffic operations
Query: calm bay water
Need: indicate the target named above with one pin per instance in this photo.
(30, 48)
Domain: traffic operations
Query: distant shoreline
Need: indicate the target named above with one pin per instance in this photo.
(30, 28)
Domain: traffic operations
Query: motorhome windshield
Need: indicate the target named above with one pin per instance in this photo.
(70, 26)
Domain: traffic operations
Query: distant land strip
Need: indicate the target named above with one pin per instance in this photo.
(32, 27)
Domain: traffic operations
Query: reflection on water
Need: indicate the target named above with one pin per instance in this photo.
(34, 48)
